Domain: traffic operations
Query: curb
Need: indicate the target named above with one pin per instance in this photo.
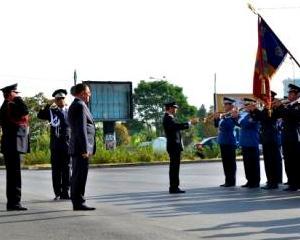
(121, 165)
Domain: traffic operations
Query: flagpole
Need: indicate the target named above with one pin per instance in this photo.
(75, 77)
(256, 13)
(215, 92)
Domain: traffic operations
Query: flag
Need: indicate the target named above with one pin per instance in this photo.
(270, 54)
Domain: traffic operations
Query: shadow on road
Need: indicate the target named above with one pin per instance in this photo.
(215, 200)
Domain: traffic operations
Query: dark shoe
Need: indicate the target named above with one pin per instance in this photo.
(270, 187)
(56, 198)
(176, 191)
(228, 185)
(16, 208)
(291, 189)
(83, 208)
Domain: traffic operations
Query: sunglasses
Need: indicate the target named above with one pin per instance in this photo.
(59, 98)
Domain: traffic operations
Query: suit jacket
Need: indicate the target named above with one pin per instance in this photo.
(82, 129)
(15, 129)
(290, 115)
(172, 131)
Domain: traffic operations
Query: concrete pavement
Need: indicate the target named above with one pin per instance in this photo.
(133, 203)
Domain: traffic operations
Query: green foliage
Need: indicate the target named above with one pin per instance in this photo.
(189, 153)
(212, 152)
(122, 135)
(37, 127)
(127, 155)
(40, 150)
(149, 99)
(135, 126)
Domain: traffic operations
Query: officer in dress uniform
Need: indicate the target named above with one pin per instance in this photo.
(270, 137)
(249, 141)
(227, 141)
(14, 141)
(290, 114)
(57, 115)
(174, 144)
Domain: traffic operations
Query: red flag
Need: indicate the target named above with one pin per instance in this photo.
(270, 54)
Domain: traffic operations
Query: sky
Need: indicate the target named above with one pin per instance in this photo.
(187, 41)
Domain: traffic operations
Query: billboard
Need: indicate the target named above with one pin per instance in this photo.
(111, 101)
(237, 96)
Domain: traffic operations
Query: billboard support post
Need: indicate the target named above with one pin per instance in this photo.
(109, 135)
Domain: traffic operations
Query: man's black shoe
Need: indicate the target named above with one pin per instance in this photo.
(227, 185)
(270, 187)
(176, 191)
(16, 208)
(83, 208)
(56, 198)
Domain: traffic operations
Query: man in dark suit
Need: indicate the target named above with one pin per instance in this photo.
(174, 144)
(269, 134)
(82, 143)
(57, 115)
(290, 114)
(14, 141)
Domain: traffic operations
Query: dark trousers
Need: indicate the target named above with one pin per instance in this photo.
(80, 168)
(229, 162)
(251, 165)
(60, 163)
(291, 155)
(174, 169)
(273, 163)
(13, 178)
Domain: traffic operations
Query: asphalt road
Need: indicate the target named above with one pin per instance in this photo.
(133, 203)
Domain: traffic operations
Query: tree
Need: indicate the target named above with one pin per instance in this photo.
(34, 104)
(201, 113)
(149, 99)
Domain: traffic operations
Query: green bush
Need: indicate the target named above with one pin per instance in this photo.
(212, 152)
(37, 157)
(130, 154)
(189, 153)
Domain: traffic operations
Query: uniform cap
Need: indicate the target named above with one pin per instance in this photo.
(10, 88)
(171, 104)
(59, 93)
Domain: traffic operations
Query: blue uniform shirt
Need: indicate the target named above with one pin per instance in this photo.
(226, 131)
(249, 133)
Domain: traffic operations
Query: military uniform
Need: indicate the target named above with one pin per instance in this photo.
(270, 138)
(14, 141)
(59, 145)
(290, 115)
(249, 141)
(227, 142)
(174, 147)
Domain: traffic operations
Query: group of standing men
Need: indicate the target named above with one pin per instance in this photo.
(72, 139)
(277, 128)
